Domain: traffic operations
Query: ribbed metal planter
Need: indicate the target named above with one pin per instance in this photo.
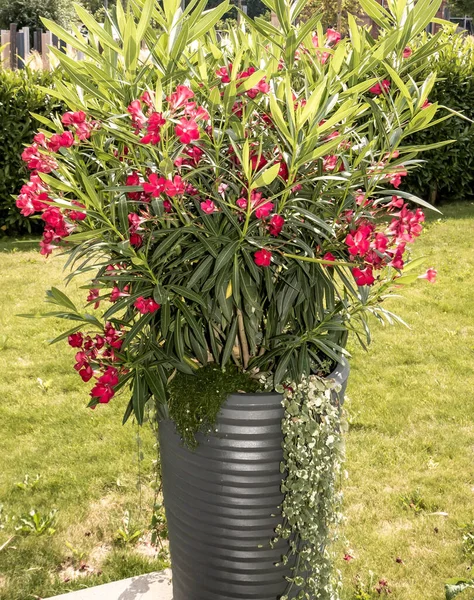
(222, 502)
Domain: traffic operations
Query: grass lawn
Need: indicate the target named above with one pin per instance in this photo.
(411, 439)
(410, 446)
(88, 461)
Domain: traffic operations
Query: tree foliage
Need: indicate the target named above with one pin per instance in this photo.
(28, 13)
(330, 10)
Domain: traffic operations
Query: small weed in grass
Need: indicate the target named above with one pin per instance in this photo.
(77, 556)
(128, 533)
(414, 501)
(456, 586)
(468, 540)
(158, 526)
(37, 524)
(370, 588)
(27, 483)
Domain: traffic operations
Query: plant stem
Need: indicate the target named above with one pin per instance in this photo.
(244, 347)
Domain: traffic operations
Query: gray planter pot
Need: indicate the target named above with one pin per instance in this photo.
(222, 502)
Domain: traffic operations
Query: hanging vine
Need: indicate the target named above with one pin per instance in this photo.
(313, 459)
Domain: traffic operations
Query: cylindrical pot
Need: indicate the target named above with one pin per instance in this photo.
(222, 502)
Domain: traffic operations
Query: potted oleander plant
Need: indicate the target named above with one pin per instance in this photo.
(234, 202)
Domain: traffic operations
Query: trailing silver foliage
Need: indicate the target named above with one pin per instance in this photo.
(313, 459)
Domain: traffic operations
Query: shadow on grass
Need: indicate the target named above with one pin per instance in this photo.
(457, 210)
(19, 245)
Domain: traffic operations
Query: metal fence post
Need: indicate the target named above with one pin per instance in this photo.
(5, 41)
(20, 45)
(13, 47)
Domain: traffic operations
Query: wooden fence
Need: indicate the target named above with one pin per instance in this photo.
(18, 45)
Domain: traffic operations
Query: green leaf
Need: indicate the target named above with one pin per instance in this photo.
(249, 82)
(225, 256)
(414, 264)
(282, 365)
(55, 296)
(155, 384)
(406, 279)
(455, 586)
(190, 294)
(65, 335)
(140, 396)
(407, 196)
(230, 341)
(208, 20)
(266, 177)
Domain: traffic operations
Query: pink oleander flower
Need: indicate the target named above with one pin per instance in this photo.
(381, 242)
(134, 222)
(262, 258)
(208, 207)
(263, 210)
(396, 202)
(330, 162)
(155, 122)
(180, 97)
(187, 131)
(276, 225)
(396, 178)
(224, 73)
(407, 52)
(222, 188)
(332, 37)
(430, 275)
(347, 557)
(329, 256)
(138, 117)
(145, 305)
(117, 293)
(155, 185)
(73, 118)
(363, 276)
(176, 187)
(63, 140)
(397, 261)
(76, 340)
(136, 240)
(379, 88)
(133, 180)
(93, 295)
(358, 241)
(103, 392)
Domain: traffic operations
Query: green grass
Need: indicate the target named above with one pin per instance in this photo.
(87, 460)
(410, 446)
(411, 439)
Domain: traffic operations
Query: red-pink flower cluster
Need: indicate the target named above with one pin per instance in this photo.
(94, 358)
(34, 196)
(332, 38)
(146, 305)
(77, 121)
(376, 248)
(262, 87)
(380, 88)
(144, 116)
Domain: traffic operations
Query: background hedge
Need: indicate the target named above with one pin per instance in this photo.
(448, 174)
(20, 95)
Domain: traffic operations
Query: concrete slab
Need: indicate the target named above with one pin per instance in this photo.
(154, 586)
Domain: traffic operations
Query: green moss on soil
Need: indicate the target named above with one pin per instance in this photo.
(195, 400)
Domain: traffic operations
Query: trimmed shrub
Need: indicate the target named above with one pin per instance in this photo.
(21, 94)
(448, 174)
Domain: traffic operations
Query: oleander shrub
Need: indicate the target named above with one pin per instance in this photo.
(21, 94)
(448, 173)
